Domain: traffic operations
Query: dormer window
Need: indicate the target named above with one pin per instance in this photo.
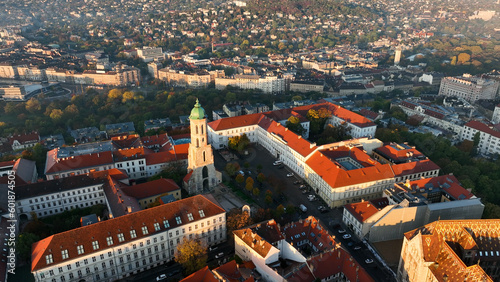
(95, 245)
(190, 217)
(202, 213)
(166, 223)
(109, 240)
(49, 259)
(133, 234)
(145, 230)
(80, 250)
(64, 254)
(178, 220)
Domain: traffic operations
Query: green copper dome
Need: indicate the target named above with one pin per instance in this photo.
(197, 112)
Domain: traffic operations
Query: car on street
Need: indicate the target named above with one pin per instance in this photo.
(350, 244)
(320, 207)
(161, 277)
(357, 248)
(281, 166)
(302, 186)
(341, 231)
(303, 208)
(296, 182)
(290, 174)
(219, 255)
(368, 260)
(346, 236)
(277, 163)
(212, 248)
(323, 209)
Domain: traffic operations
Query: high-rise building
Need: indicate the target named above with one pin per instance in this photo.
(397, 56)
(201, 170)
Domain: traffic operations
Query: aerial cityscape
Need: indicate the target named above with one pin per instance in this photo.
(250, 140)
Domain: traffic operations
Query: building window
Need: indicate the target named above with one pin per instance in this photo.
(109, 240)
(64, 254)
(80, 249)
(202, 213)
(166, 224)
(49, 259)
(95, 245)
(190, 217)
(157, 226)
(145, 230)
(121, 238)
(133, 234)
(178, 219)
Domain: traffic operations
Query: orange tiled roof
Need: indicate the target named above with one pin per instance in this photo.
(308, 229)
(54, 165)
(324, 164)
(234, 122)
(253, 240)
(293, 140)
(443, 241)
(69, 240)
(338, 261)
(450, 185)
(230, 271)
(362, 210)
(126, 141)
(202, 275)
(25, 138)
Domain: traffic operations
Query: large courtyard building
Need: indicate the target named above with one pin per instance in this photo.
(451, 250)
(469, 88)
(340, 173)
(120, 247)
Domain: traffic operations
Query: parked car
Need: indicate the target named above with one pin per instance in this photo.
(368, 260)
(219, 255)
(305, 191)
(357, 248)
(341, 231)
(277, 163)
(303, 208)
(212, 248)
(281, 166)
(302, 186)
(290, 174)
(346, 236)
(296, 182)
(241, 172)
(323, 209)
(161, 277)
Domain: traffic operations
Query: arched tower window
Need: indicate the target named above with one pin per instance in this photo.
(197, 142)
(204, 156)
(204, 172)
(196, 129)
(202, 129)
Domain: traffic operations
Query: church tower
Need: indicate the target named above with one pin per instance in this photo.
(201, 175)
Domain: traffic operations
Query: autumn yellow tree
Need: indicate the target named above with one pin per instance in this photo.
(192, 255)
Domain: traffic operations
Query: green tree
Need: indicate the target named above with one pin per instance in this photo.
(293, 123)
(256, 192)
(232, 168)
(33, 105)
(261, 177)
(237, 219)
(56, 114)
(114, 94)
(238, 143)
(192, 255)
(240, 178)
(24, 243)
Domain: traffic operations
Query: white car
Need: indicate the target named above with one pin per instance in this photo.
(277, 163)
(341, 231)
(161, 277)
(290, 174)
(219, 255)
(368, 260)
(346, 236)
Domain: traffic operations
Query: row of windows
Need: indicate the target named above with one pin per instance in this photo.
(79, 191)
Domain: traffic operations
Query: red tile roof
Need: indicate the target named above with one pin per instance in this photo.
(202, 275)
(338, 261)
(160, 140)
(55, 165)
(398, 153)
(293, 140)
(69, 240)
(324, 164)
(234, 122)
(483, 127)
(130, 154)
(126, 141)
(368, 114)
(339, 112)
(449, 184)
(414, 167)
(362, 210)
(151, 188)
(25, 138)
(310, 230)
(7, 163)
(230, 271)
(443, 240)
(254, 241)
